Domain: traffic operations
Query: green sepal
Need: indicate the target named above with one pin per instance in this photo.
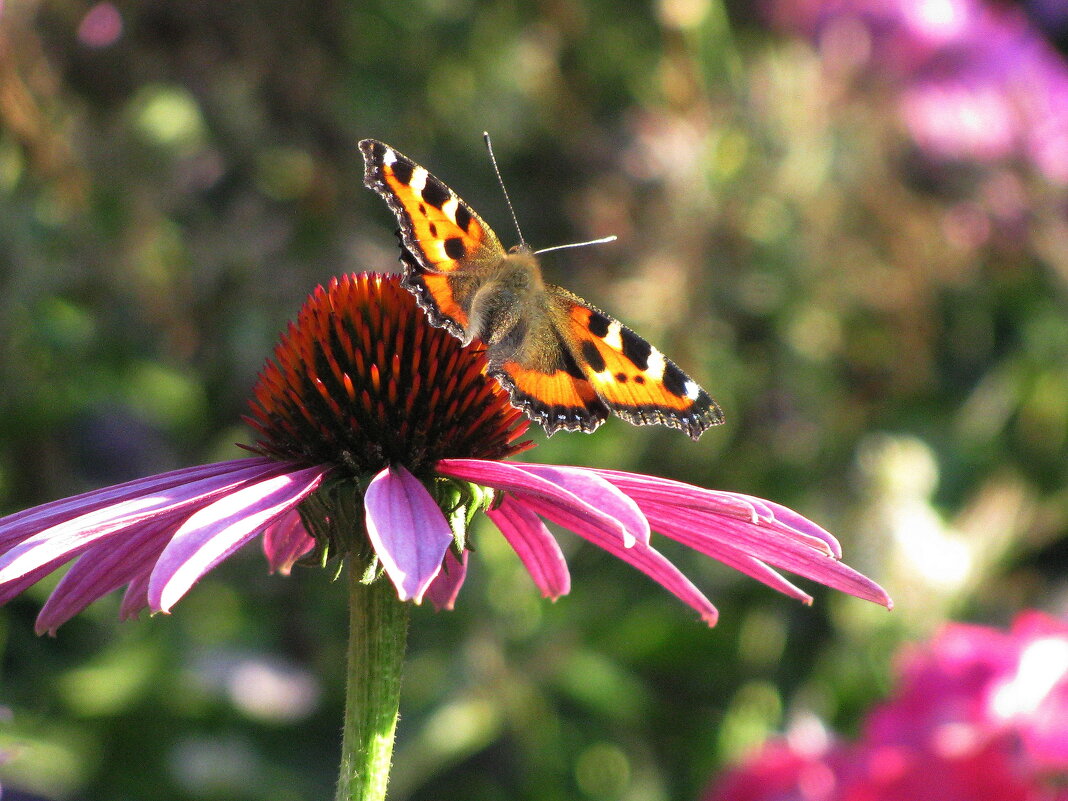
(460, 501)
(333, 516)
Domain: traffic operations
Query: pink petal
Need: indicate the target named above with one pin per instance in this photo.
(536, 547)
(797, 522)
(446, 585)
(407, 529)
(285, 541)
(104, 567)
(698, 531)
(67, 538)
(136, 597)
(754, 568)
(16, 527)
(762, 541)
(589, 486)
(217, 530)
(666, 497)
(16, 586)
(664, 491)
(523, 483)
(644, 557)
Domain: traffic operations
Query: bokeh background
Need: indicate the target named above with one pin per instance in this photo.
(848, 219)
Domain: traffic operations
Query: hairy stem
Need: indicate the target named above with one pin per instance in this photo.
(378, 632)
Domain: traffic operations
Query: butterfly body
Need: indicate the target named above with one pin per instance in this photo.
(565, 363)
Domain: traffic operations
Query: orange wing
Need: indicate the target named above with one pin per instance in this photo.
(562, 399)
(634, 379)
(443, 240)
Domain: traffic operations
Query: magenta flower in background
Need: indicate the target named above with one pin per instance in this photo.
(976, 80)
(373, 421)
(980, 714)
(989, 683)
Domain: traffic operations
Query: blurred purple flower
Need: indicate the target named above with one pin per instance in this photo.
(979, 714)
(372, 420)
(101, 26)
(977, 81)
(995, 683)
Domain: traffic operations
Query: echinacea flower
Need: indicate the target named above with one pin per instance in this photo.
(380, 438)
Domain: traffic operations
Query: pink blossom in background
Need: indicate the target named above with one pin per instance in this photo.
(101, 26)
(997, 684)
(784, 770)
(980, 714)
(954, 120)
(975, 79)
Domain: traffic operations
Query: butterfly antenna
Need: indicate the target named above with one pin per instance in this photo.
(508, 200)
(600, 241)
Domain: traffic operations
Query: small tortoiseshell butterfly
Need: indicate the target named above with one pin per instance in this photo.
(565, 363)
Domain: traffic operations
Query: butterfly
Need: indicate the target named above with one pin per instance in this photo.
(565, 363)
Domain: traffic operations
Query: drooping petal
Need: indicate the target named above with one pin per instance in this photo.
(764, 542)
(12, 588)
(136, 596)
(644, 557)
(598, 492)
(754, 568)
(65, 539)
(513, 478)
(285, 541)
(746, 532)
(407, 529)
(446, 585)
(788, 517)
(665, 498)
(105, 567)
(698, 531)
(645, 489)
(535, 546)
(217, 530)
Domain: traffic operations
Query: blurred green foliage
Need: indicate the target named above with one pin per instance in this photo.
(890, 348)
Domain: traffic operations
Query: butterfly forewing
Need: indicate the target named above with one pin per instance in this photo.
(442, 231)
(443, 241)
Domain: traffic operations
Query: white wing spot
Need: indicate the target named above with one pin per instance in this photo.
(448, 208)
(389, 158)
(613, 338)
(418, 179)
(692, 390)
(657, 364)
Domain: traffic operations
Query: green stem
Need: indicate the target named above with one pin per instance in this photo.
(378, 632)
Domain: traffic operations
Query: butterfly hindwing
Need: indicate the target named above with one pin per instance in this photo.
(434, 293)
(635, 380)
(556, 400)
